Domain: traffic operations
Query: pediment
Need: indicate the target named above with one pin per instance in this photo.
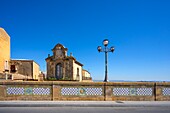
(59, 46)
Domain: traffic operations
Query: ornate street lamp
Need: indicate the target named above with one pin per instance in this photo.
(106, 50)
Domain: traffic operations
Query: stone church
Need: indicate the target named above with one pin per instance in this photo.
(63, 67)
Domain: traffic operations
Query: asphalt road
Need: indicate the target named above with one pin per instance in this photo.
(84, 109)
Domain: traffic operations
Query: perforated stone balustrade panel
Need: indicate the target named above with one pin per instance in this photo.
(166, 91)
(81, 91)
(28, 90)
(132, 91)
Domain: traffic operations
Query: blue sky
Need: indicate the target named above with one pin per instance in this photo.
(139, 30)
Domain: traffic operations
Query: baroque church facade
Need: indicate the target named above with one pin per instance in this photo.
(63, 67)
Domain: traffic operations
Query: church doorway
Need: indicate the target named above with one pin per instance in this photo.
(58, 73)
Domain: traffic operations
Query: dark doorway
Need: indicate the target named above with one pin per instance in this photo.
(58, 73)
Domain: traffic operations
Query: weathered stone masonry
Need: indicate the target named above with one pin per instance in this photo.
(100, 91)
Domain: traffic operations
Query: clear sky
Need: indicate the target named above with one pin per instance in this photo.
(139, 30)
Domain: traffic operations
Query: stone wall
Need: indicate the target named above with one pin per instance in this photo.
(4, 49)
(25, 91)
(24, 67)
(130, 91)
(78, 91)
(162, 91)
(95, 91)
(27, 68)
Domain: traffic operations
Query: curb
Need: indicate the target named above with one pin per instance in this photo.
(84, 104)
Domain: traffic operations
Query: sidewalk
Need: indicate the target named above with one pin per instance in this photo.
(84, 103)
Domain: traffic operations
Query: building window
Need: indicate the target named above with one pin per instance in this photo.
(13, 69)
(77, 71)
(59, 71)
(6, 65)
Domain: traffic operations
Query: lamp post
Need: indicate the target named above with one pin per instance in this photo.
(106, 50)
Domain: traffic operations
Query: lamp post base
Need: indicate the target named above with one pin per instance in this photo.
(106, 81)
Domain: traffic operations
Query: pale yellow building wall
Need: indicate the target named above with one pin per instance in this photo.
(36, 70)
(86, 73)
(75, 66)
(4, 49)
